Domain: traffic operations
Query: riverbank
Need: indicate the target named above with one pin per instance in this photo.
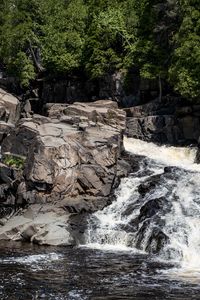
(58, 167)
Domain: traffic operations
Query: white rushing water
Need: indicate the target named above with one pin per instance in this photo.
(183, 157)
(178, 218)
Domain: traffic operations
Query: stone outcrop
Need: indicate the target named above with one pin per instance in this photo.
(72, 162)
(42, 224)
(103, 114)
(170, 121)
(9, 112)
(76, 155)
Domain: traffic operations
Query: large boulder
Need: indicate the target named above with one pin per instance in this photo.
(71, 157)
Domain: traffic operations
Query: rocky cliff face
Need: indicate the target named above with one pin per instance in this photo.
(127, 89)
(71, 162)
(170, 121)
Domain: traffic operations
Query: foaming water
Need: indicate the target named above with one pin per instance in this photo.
(183, 157)
(119, 260)
(31, 259)
(113, 247)
(173, 227)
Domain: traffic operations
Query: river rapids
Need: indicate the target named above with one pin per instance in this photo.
(157, 208)
(145, 245)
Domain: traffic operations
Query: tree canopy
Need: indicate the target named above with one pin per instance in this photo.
(160, 37)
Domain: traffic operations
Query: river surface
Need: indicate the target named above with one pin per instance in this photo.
(31, 272)
(130, 251)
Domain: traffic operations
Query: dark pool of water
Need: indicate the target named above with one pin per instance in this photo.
(31, 272)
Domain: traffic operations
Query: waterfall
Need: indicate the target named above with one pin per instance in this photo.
(157, 208)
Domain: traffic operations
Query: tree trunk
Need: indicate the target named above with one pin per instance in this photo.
(160, 87)
(39, 67)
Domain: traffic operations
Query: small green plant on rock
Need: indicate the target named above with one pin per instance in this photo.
(14, 161)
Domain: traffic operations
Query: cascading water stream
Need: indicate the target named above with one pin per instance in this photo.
(156, 211)
(157, 208)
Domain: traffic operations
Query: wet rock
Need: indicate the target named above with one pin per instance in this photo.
(168, 169)
(172, 171)
(197, 158)
(149, 185)
(157, 240)
(124, 167)
(150, 208)
(150, 237)
(141, 234)
(133, 161)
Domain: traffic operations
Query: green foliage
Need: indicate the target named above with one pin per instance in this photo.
(184, 71)
(53, 28)
(62, 34)
(161, 38)
(18, 28)
(14, 161)
(106, 42)
(23, 68)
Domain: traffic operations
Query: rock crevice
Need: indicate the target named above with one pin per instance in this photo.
(72, 163)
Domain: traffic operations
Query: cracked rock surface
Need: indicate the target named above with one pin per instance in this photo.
(72, 165)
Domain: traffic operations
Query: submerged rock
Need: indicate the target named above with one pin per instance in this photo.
(150, 208)
(157, 240)
(149, 185)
